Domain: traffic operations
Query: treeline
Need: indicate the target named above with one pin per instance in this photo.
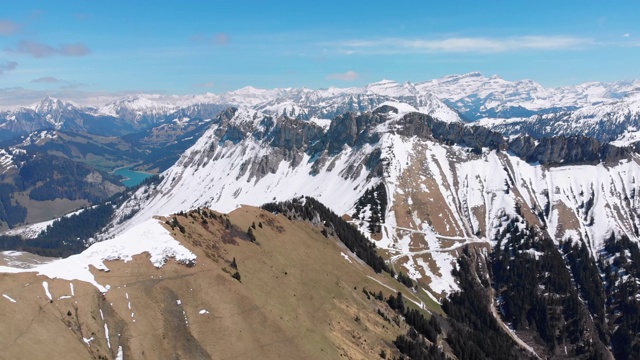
(416, 348)
(374, 199)
(420, 342)
(69, 234)
(531, 278)
(66, 236)
(620, 261)
(474, 332)
(53, 177)
(10, 213)
(589, 283)
(310, 209)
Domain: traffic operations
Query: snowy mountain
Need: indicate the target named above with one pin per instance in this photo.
(614, 120)
(55, 114)
(447, 184)
(301, 103)
(501, 104)
(466, 212)
(476, 96)
(430, 194)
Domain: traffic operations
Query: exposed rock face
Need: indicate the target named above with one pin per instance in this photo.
(566, 150)
(289, 139)
(425, 126)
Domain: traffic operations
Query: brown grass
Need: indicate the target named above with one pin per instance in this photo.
(299, 298)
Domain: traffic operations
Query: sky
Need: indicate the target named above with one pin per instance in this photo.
(74, 49)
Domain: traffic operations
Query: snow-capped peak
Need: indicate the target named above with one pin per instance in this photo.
(49, 104)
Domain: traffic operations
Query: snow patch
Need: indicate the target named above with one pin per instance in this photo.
(148, 236)
(45, 285)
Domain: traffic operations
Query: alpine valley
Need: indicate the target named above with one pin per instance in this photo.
(464, 217)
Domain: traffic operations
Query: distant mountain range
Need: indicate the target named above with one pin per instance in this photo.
(506, 106)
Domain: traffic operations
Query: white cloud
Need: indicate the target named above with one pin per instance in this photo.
(46, 80)
(462, 44)
(346, 76)
(626, 35)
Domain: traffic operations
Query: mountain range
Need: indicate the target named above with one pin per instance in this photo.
(504, 105)
(511, 208)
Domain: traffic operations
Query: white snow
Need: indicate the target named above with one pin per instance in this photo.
(9, 298)
(346, 257)
(45, 285)
(202, 175)
(203, 312)
(148, 236)
(106, 334)
(323, 123)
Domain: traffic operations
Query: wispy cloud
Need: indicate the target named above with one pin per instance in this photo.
(8, 27)
(7, 66)
(216, 39)
(221, 39)
(71, 85)
(346, 76)
(41, 50)
(626, 35)
(61, 84)
(46, 80)
(461, 44)
(208, 84)
(77, 49)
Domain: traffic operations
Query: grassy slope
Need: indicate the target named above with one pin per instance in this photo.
(299, 298)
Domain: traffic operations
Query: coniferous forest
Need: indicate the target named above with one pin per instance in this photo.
(308, 208)
(70, 234)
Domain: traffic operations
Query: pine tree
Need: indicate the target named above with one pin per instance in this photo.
(252, 237)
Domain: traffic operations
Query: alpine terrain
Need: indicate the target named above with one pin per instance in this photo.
(463, 217)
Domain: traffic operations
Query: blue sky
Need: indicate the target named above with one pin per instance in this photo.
(75, 48)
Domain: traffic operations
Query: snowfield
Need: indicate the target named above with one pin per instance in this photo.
(146, 237)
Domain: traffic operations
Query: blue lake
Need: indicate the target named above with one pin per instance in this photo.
(133, 178)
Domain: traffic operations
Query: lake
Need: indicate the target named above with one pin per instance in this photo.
(133, 178)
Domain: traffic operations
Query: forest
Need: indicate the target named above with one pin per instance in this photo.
(308, 208)
(70, 235)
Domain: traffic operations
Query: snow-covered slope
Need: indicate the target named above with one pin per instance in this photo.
(440, 196)
(146, 237)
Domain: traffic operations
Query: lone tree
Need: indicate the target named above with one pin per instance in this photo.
(234, 264)
(252, 237)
